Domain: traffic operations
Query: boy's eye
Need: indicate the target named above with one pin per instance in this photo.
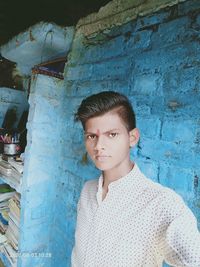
(91, 136)
(113, 135)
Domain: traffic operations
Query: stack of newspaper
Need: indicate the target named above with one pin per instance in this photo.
(12, 233)
(10, 254)
(6, 193)
(11, 171)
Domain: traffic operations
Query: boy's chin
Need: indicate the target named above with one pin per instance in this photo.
(102, 168)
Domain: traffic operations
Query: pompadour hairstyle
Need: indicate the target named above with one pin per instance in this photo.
(103, 102)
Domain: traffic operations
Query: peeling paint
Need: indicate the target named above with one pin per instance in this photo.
(196, 181)
(173, 105)
(84, 160)
(31, 36)
(116, 13)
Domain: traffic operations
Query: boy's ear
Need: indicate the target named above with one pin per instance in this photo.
(134, 136)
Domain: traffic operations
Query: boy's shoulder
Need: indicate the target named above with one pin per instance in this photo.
(91, 184)
(90, 187)
(166, 200)
(168, 197)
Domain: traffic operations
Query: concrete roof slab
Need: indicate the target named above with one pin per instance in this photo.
(41, 42)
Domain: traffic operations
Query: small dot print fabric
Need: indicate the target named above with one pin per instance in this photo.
(139, 223)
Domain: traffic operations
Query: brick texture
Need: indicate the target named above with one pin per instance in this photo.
(154, 60)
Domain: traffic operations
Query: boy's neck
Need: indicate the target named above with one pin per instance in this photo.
(110, 176)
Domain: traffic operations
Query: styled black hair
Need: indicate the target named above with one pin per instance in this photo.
(103, 102)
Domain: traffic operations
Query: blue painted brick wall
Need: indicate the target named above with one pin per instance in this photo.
(155, 62)
(10, 98)
(42, 172)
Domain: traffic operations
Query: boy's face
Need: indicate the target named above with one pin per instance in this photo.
(108, 141)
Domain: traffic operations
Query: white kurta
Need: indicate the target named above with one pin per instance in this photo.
(140, 223)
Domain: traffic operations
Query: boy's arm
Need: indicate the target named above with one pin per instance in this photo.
(182, 241)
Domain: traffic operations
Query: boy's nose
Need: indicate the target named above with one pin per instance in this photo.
(99, 144)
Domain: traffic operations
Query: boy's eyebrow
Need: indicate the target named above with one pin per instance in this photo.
(88, 133)
(115, 129)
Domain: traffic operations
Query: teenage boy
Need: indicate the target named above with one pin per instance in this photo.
(125, 219)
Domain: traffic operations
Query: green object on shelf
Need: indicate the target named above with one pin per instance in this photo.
(5, 188)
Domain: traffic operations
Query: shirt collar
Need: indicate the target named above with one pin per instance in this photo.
(131, 181)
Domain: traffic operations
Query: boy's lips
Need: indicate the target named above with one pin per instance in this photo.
(101, 157)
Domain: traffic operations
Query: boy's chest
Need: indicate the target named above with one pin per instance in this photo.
(131, 220)
(128, 231)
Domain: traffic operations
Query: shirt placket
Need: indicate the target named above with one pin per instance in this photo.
(94, 235)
